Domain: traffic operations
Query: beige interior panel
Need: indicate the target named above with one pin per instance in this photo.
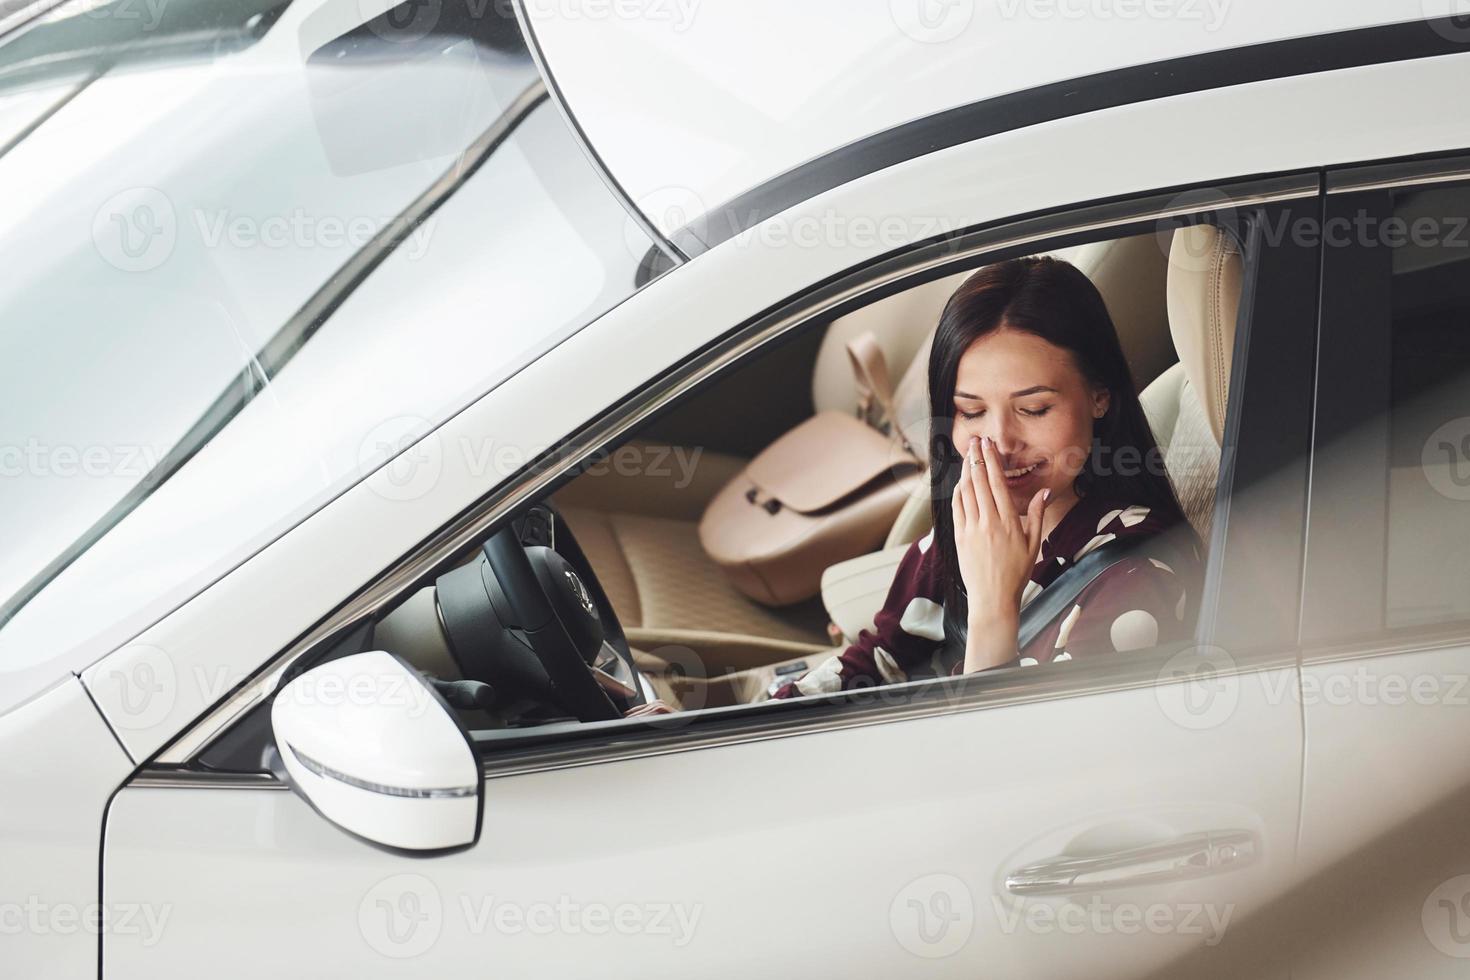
(660, 480)
(687, 692)
(715, 653)
(746, 410)
(901, 323)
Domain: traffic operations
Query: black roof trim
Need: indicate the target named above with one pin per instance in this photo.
(1104, 90)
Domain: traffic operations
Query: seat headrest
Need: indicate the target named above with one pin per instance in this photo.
(1205, 274)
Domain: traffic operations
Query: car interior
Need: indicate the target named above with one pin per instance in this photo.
(753, 529)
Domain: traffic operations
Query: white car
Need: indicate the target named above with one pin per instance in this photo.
(370, 374)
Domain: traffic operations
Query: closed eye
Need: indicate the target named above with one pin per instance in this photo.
(1034, 413)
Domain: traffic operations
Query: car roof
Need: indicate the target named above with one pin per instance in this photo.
(691, 104)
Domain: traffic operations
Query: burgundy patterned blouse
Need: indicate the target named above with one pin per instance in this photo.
(1134, 604)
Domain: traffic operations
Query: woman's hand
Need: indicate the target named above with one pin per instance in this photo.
(997, 548)
(651, 708)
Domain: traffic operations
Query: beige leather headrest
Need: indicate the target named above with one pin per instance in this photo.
(1205, 273)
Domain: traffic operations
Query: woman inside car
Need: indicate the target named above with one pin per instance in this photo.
(1040, 454)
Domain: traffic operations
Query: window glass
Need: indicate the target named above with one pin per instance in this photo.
(1428, 563)
(664, 542)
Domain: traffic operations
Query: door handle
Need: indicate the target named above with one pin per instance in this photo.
(1189, 856)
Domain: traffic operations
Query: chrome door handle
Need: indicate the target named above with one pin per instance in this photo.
(1189, 856)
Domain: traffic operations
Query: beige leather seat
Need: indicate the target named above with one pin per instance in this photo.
(642, 535)
(657, 577)
(1186, 404)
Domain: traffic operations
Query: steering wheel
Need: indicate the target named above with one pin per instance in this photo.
(531, 620)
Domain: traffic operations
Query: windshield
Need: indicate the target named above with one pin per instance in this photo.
(251, 251)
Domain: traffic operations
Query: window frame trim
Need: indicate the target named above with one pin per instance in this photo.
(1326, 636)
(855, 287)
(1275, 423)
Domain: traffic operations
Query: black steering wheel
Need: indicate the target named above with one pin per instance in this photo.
(531, 620)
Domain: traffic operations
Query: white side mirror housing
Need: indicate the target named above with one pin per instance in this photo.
(376, 751)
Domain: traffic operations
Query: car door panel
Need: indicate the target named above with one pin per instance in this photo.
(1386, 662)
(59, 765)
(872, 850)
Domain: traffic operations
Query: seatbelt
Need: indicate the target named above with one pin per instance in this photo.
(870, 371)
(1057, 599)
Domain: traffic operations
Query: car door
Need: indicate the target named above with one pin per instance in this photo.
(1386, 669)
(1108, 818)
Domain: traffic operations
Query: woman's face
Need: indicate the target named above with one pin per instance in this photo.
(1029, 396)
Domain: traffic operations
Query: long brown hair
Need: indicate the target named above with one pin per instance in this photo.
(1055, 301)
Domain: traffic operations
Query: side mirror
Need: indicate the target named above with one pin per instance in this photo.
(372, 747)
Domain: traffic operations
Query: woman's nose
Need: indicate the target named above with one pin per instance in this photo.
(1003, 434)
(1006, 441)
